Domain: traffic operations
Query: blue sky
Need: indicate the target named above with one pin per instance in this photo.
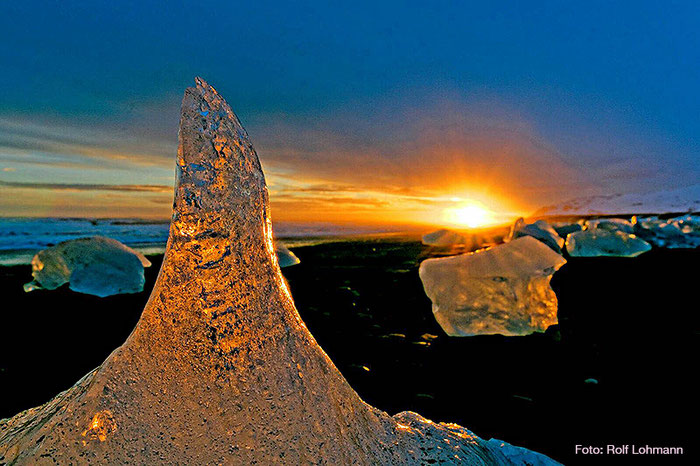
(379, 105)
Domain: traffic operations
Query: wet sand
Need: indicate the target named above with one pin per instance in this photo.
(631, 324)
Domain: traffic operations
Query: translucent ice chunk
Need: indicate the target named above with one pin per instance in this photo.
(540, 230)
(99, 266)
(601, 242)
(565, 228)
(503, 290)
(611, 224)
(285, 257)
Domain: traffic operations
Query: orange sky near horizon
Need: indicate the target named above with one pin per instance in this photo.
(363, 208)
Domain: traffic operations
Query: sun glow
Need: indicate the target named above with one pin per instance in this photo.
(471, 215)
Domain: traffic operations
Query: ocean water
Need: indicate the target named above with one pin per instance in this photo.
(21, 238)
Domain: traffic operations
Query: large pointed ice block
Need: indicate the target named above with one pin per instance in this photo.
(99, 266)
(220, 368)
(503, 290)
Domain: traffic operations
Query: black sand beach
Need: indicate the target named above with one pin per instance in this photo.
(630, 324)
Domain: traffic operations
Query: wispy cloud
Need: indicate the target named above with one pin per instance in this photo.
(65, 200)
(59, 142)
(438, 150)
(88, 187)
(396, 159)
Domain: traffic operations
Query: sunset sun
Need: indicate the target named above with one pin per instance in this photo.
(472, 216)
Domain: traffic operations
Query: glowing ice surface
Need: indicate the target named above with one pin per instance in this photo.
(502, 290)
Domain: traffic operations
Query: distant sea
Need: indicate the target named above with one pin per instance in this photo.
(21, 238)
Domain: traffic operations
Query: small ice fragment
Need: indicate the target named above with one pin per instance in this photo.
(31, 286)
(285, 257)
(601, 242)
(502, 290)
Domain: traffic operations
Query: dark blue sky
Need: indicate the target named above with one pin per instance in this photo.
(549, 99)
